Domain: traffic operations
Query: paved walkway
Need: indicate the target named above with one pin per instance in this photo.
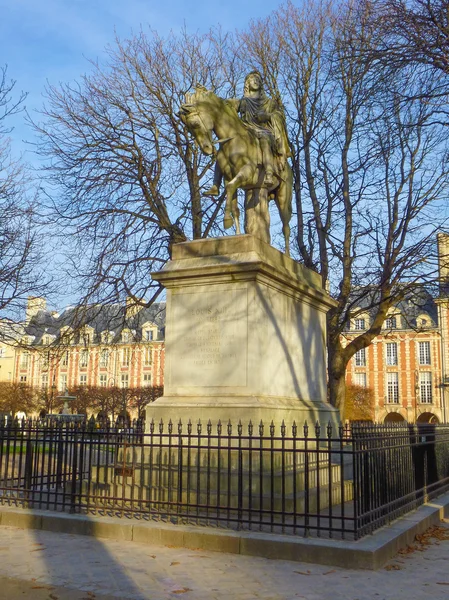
(41, 565)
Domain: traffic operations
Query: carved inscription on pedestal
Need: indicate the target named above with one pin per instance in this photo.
(209, 345)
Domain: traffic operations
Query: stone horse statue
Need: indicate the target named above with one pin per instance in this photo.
(240, 161)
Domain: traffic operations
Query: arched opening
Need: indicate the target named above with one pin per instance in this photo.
(394, 417)
(428, 417)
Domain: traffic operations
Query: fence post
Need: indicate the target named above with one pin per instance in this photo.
(74, 471)
(240, 477)
(28, 471)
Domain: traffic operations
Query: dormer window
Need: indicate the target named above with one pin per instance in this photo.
(126, 336)
(359, 324)
(66, 335)
(423, 321)
(106, 337)
(391, 323)
(149, 335)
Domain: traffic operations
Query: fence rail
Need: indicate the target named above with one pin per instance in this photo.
(303, 481)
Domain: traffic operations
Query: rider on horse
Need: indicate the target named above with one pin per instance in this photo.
(264, 118)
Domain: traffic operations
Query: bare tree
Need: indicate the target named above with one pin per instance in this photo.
(21, 272)
(370, 169)
(127, 178)
(414, 32)
(370, 161)
(15, 397)
(412, 36)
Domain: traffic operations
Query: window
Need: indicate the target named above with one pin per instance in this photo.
(148, 358)
(126, 357)
(83, 379)
(391, 323)
(24, 360)
(84, 357)
(393, 388)
(104, 357)
(124, 381)
(425, 387)
(2, 352)
(125, 336)
(103, 380)
(105, 337)
(62, 383)
(360, 379)
(392, 353)
(65, 359)
(23, 379)
(44, 381)
(149, 335)
(360, 358)
(86, 339)
(424, 353)
(359, 324)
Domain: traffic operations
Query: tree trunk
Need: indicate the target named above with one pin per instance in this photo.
(337, 378)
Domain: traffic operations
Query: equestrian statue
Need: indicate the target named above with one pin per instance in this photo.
(252, 153)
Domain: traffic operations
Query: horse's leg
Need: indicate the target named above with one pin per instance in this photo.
(283, 199)
(232, 186)
(236, 214)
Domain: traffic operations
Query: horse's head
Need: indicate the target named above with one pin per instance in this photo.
(198, 117)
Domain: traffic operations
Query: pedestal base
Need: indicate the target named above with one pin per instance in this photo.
(243, 410)
(245, 336)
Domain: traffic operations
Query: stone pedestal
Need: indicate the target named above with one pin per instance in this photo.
(245, 336)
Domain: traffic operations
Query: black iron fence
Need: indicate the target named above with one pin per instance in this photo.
(304, 481)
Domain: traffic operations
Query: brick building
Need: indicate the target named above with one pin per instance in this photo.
(407, 365)
(101, 346)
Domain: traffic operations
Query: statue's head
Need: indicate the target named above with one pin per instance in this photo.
(253, 82)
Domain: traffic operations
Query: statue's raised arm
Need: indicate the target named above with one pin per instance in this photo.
(252, 154)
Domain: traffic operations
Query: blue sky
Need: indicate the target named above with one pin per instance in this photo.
(52, 40)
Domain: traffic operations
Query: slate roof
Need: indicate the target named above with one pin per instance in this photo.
(101, 318)
(420, 303)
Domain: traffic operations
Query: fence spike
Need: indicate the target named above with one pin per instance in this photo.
(294, 429)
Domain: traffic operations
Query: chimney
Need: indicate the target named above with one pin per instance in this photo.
(34, 305)
(443, 263)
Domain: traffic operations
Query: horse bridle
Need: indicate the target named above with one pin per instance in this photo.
(196, 113)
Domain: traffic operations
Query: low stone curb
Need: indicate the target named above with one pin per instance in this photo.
(371, 552)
